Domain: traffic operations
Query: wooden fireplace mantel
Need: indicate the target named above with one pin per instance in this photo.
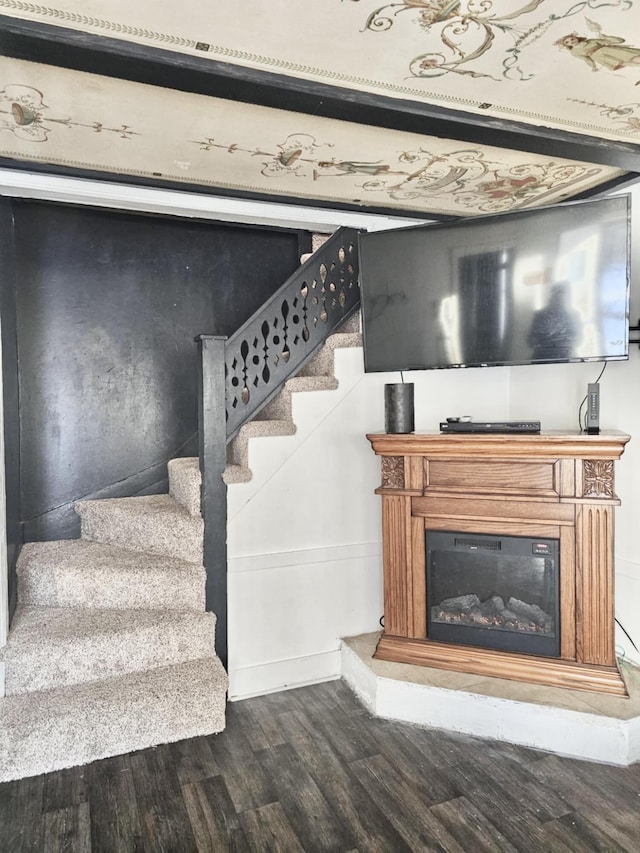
(557, 485)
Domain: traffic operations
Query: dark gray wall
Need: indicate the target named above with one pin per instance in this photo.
(108, 306)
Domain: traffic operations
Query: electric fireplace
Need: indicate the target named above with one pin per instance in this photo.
(498, 555)
(498, 592)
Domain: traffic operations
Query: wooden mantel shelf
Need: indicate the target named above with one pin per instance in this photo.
(557, 485)
(568, 445)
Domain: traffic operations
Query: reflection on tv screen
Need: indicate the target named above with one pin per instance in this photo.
(546, 285)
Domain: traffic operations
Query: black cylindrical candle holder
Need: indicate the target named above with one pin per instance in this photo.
(398, 407)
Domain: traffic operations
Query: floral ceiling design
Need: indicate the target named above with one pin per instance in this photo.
(24, 113)
(459, 34)
(465, 179)
(559, 64)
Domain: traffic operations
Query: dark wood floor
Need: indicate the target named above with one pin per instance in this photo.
(311, 770)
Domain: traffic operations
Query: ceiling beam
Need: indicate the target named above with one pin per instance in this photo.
(79, 51)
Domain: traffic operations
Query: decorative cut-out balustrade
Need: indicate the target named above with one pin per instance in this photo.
(290, 327)
(240, 375)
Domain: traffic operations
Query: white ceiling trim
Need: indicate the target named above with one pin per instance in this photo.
(33, 185)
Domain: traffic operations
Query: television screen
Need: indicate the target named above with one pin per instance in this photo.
(535, 286)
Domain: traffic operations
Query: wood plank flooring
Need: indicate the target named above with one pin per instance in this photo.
(311, 770)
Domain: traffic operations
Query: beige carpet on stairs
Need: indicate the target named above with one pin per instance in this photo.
(111, 649)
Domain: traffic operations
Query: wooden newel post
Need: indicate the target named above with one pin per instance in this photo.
(213, 457)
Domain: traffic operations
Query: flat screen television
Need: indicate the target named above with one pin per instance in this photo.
(535, 286)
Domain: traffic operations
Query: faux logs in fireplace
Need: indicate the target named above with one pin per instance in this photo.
(497, 592)
(545, 488)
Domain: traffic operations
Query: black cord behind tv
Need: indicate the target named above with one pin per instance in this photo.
(530, 287)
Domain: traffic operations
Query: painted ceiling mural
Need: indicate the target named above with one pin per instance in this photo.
(566, 64)
(570, 64)
(91, 122)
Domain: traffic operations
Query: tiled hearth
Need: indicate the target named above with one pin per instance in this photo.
(576, 723)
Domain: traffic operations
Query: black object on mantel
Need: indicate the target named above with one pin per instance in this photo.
(398, 408)
(490, 426)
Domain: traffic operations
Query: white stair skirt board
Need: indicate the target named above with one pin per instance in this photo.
(572, 723)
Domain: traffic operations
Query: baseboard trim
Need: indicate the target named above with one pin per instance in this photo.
(306, 557)
(248, 681)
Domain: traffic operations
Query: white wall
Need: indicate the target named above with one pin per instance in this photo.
(304, 535)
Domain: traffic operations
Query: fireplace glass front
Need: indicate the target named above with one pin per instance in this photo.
(498, 592)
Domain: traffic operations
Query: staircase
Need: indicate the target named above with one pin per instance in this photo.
(111, 649)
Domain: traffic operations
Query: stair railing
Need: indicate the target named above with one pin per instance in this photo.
(238, 376)
(290, 327)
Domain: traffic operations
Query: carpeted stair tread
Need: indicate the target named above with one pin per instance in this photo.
(238, 449)
(344, 339)
(54, 729)
(322, 364)
(155, 523)
(51, 647)
(312, 383)
(351, 325)
(81, 573)
(259, 429)
(184, 482)
(236, 474)
(280, 407)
